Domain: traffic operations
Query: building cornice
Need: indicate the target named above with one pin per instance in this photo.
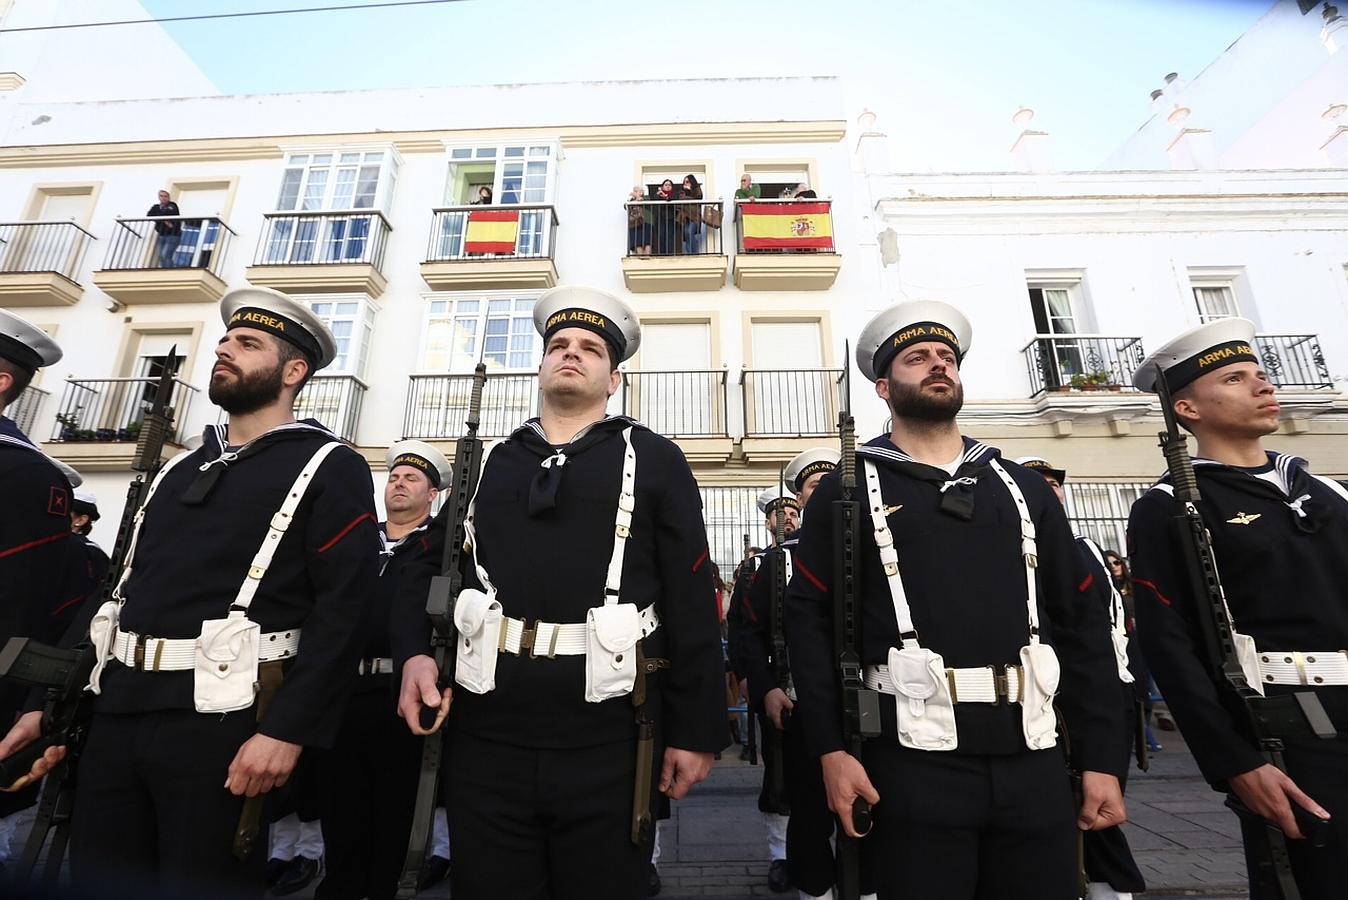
(271, 147)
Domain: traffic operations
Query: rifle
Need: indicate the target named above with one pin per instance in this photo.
(444, 588)
(641, 789)
(64, 673)
(1266, 717)
(774, 761)
(860, 706)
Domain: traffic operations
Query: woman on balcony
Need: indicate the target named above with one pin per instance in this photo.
(664, 217)
(638, 223)
(690, 215)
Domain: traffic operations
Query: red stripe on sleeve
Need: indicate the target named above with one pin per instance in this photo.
(1085, 585)
(345, 531)
(1151, 587)
(809, 576)
(14, 551)
(701, 559)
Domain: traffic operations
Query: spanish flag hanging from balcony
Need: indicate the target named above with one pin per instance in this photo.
(766, 225)
(492, 231)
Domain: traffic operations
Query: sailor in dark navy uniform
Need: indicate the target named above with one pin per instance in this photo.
(265, 533)
(1111, 872)
(86, 567)
(369, 779)
(750, 633)
(1280, 538)
(972, 628)
(590, 556)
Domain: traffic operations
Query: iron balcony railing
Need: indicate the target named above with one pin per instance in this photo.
(674, 227)
(1293, 360)
(57, 247)
(169, 242)
(335, 401)
(785, 226)
(1083, 362)
(437, 405)
(678, 404)
(492, 231)
(353, 236)
(111, 409)
(791, 402)
(24, 411)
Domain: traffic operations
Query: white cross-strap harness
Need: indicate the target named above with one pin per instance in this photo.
(925, 691)
(177, 654)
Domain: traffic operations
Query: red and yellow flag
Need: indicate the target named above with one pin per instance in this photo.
(492, 231)
(766, 225)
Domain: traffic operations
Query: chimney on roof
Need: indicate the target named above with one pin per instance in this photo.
(872, 154)
(1192, 147)
(1335, 33)
(1163, 97)
(1031, 151)
(1335, 146)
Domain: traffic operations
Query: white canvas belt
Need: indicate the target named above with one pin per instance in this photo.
(381, 665)
(150, 654)
(979, 685)
(1304, 667)
(549, 639)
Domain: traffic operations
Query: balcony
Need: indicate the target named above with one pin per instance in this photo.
(490, 248)
(782, 406)
(144, 266)
(674, 245)
(26, 409)
(322, 252)
(1293, 361)
(437, 405)
(1082, 363)
(98, 421)
(39, 262)
(333, 400)
(785, 245)
(687, 406)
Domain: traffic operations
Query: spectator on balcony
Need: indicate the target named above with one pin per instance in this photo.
(803, 192)
(483, 196)
(747, 189)
(663, 219)
(638, 223)
(690, 215)
(170, 231)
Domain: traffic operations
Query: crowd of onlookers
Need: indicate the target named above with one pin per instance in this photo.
(673, 220)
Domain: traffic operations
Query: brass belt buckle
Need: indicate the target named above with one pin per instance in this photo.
(1001, 687)
(138, 658)
(527, 637)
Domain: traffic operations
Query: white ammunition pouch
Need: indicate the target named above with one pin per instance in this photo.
(611, 635)
(1248, 657)
(923, 701)
(478, 617)
(225, 677)
(1119, 639)
(1039, 674)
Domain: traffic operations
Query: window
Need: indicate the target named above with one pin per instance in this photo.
(791, 393)
(1215, 302)
(454, 328)
(352, 324)
(516, 174)
(675, 392)
(336, 181)
(1058, 307)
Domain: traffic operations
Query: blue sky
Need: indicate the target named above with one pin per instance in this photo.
(952, 71)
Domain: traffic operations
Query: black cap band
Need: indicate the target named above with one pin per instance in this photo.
(822, 465)
(19, 353)
(590, 320)
(777, 503)
(1182, 374)
(286, 329)
(418, 462)
(916, 333)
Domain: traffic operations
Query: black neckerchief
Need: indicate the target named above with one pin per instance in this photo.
(215, 444)
(957, 491)
(552, 467)
(1308, 514)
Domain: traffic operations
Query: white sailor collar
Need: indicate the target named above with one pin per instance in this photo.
(882, 449)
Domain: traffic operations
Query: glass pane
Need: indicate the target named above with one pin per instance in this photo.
(467, 306)
(314, 190)
(498, 326)
(290, 189)
(540, 151)
(439, 307)
(349, 158)
(486, 152)
(341, 328)
(344, 188)
(461, 153)
(322, 310)
(299, 159)
(347, 309)
(322, 159)
(498, 306)
(514, 151)
(374, 156)
(366, 186)
(524, 305)
(537, 168)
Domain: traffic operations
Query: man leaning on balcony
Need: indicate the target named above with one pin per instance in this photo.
(262, 537)
(169, 231)
(590, 601)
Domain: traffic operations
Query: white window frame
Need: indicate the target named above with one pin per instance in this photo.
(500, 161)
(1069, 358)
(520, 318)
(362, 332)
(1230, 278)
(306, 162)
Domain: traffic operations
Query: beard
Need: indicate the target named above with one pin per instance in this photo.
(248, 392)
(909, 401)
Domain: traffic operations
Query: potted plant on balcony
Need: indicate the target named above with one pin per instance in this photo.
(70, 427)
(1082, 382)
(1103, 380)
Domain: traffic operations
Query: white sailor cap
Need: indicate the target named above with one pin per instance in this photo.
(913, 322)
(572, 306)
(86, 503)
(419, 455)
(775, 497)
(282, 316)
(808, 462)
(75, 478)
(1197, 352)
(1043, 467)
(24, 344)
